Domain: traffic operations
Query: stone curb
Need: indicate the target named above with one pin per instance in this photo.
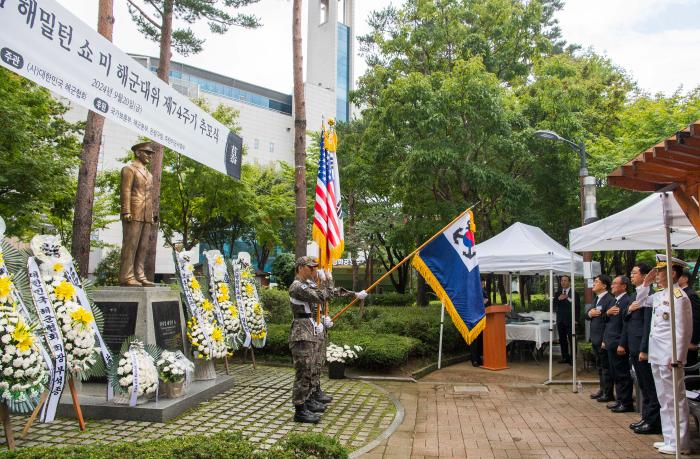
(398, 419)
(425, 371)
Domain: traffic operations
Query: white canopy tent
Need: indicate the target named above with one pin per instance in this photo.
(639, 227)
(656, 222)
(528, 250)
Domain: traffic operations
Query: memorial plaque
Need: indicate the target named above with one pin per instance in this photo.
(168, 329)
(119, 322)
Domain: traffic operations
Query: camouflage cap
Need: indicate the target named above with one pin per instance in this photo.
(143, 146)
(305, 261)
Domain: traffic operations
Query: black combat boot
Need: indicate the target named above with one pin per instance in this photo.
(321, 396)
(315, 406)
(301, 414)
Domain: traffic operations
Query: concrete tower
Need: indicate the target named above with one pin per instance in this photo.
(329, 69)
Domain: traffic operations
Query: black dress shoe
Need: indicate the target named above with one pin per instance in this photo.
(637, 424)
(613, 405)
(647, 429)
(596, 395)
(605, 399)
(621, 408)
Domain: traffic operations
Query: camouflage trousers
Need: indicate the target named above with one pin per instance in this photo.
(319, 360)
(304, 358)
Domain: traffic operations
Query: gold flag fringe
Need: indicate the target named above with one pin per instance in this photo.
(467, 334)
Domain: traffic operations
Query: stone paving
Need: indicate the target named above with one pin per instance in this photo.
(462, 412)
(258, 406)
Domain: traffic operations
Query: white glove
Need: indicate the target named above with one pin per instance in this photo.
(318, 328)
(321, 275)
(327, 322)
(361, 295)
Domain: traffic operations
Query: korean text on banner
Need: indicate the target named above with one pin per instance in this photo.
(450, 266)
(44, 42)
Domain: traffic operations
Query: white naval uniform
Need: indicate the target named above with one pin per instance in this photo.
(660, 355)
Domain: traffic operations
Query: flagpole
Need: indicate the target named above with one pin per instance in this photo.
(408, 257)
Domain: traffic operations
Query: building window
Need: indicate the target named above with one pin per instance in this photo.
(256, 144)
(324, 12)
(272, 147)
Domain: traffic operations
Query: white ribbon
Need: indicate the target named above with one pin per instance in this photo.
(53, 337)
(74, 279)
(135, 374)
(191, 306)
(237, 287)
(189, 367)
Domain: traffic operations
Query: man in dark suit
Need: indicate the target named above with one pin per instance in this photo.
(635, 341)
(596, 315)
(562, 306)
(683, 282)
(618, 358)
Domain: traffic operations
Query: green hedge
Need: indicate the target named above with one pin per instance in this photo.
(275, 302)
(392, 299)
(380, 350)
(221, 445)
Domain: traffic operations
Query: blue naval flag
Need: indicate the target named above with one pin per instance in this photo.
(450, 266)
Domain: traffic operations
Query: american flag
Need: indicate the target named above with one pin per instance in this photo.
(327, 229)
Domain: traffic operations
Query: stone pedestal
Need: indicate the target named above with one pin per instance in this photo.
(152, 314)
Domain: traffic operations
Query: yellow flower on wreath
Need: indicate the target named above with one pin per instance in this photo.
(207, 306)
(249, 289)
(257, 309)
(260, 335)
(5, 286)
(64, 291)
(58, 267)
(194, 283)
(233, 311)
(2, 257)
(23, 336)
(217, 335)
(82, 316)
(219, 260)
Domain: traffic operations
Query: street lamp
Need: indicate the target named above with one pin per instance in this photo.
(589, 213)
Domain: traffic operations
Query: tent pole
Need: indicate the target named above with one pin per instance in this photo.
(674, 351)
(442, 323)
(551, 329)
(574, 344)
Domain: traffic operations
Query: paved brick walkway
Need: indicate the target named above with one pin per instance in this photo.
(258, 406)
(507, 420)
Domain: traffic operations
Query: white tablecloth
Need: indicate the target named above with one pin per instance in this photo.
(535, 331)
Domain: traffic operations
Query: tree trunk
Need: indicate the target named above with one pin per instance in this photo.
(166, 38)
(89, 157)
(502, 279)
(299, 135)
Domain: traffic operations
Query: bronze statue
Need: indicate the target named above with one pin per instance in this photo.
(137, 216)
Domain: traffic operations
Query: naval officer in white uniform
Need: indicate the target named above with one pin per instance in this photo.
(660, 353)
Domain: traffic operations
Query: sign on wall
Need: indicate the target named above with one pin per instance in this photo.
(44, 42)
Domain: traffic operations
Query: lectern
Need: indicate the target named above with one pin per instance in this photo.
(495, 337)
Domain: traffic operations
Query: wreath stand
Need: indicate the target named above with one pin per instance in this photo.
(7, 424)
(44, 396)
(252, 356)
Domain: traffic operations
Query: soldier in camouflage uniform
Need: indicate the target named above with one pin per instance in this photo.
(330, 292)
(306, 339)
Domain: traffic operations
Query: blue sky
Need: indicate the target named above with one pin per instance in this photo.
(656, 41)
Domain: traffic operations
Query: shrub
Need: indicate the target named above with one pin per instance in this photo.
(311, 445)
(276, 305)
(380, 351)
(107, 271)
(218, 446)
(277, 340)
(283, 269)
(392, 299)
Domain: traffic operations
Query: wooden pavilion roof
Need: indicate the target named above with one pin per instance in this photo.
(673, 164)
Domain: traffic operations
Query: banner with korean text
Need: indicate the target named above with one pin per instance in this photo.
(46, 43)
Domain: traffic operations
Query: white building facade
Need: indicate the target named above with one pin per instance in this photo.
(265, 116)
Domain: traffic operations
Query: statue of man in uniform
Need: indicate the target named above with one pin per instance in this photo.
(136, 196)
